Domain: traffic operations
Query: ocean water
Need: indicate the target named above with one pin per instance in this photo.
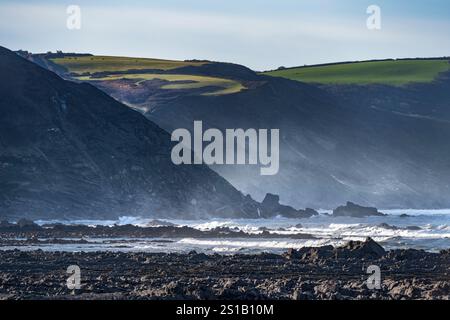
(422, 229)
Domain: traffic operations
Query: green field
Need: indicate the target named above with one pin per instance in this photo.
(93, 64)
(84, 68)
(180, 81)
(392, 72)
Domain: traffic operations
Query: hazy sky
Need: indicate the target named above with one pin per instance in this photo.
(261, 34)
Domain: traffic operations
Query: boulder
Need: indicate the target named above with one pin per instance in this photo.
(368, 248)
(271, 207)
(413, 228)
(387, 226)
(353, 210)
(25, 223)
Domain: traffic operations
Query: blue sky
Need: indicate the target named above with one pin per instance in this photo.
(261, 34)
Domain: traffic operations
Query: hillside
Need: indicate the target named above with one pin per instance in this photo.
(92, 64)
(68, 150)
(165, 74)
(376, 145)
(388, 72)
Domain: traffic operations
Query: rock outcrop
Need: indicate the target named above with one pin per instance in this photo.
(356, 211)
(368, 248)
(353, 249)
(271, 206)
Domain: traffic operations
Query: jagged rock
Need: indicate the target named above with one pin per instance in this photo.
(309, 212)
(25, 223)
(157, 223)
(271, 201)
(318, 253)
(353, 210)
(413, 228)
(310, 254)
(387, 226)
(271, 207)
(362, 249)
(290, 253)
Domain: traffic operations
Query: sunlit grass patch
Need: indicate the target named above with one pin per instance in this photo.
(93, 64)
(390, 72)
(180, 81)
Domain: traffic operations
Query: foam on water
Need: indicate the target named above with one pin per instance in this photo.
(392, 231)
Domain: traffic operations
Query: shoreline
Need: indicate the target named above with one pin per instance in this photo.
(230, 237)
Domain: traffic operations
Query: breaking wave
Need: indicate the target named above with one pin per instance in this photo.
(419, 229)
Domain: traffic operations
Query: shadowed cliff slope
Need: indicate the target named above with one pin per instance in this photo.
(69, 150)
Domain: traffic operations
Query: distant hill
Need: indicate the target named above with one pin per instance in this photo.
(379, 145)
(389, 72)
(68, 150)
(169, 74)
(92, 64)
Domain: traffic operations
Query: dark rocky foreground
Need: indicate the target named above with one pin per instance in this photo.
(309, 273)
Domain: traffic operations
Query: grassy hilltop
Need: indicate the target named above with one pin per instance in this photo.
(108, 68)
(92, 64)
(390, 72)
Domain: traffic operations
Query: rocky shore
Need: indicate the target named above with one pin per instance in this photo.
(32, 233)
(308, 273)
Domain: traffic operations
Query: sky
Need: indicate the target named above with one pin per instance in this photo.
(261, 34)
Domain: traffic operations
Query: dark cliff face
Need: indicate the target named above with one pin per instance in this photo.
(337, 144)
(68, 150)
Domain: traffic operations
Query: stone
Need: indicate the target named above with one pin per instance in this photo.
(353, 210)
